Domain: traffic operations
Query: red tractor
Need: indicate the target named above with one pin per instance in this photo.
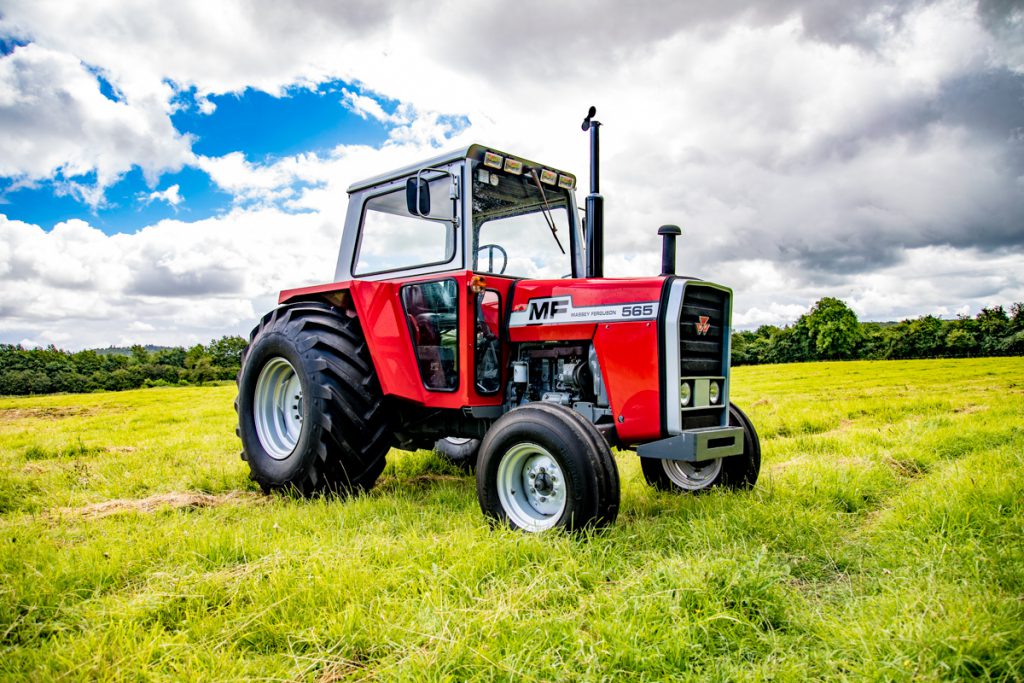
(469, 313)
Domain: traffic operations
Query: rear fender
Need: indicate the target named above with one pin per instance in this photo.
(376, 305)
(337, 294)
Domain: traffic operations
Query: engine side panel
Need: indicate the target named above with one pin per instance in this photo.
(628, 354)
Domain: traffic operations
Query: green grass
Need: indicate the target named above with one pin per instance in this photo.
(884, 541)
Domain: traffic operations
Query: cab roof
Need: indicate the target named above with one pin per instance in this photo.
(475, 152)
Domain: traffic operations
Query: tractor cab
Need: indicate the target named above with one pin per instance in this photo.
(476, 209)
(455, 233)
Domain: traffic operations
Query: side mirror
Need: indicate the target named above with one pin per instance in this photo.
(417, 196)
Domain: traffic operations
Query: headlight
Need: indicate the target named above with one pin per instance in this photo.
(684, 394)
(714, 392)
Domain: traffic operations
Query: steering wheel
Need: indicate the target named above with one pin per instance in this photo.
(491, 248)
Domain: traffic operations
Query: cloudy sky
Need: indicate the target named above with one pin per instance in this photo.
(166, 168)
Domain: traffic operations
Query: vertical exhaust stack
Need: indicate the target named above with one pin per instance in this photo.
(668, 233)
(595, 202)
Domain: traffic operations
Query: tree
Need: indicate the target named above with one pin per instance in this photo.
(960, 341)
(779, 345)
(993, 326)
(200, 365)
(1017, 316)
(202, 370)
(831, 328)
(87, 362)
(743, 347)
(226, 352)
(174, 356)
(194, 356)
(140, 355)
(921, 338)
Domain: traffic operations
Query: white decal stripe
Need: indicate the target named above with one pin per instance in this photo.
(559, 310)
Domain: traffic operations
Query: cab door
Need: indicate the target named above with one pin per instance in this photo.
(458, 336)
(432, 313)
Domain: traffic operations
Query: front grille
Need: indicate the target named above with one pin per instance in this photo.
(697, 322)
(700, 355)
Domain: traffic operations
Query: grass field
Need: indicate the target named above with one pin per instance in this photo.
(884, 541)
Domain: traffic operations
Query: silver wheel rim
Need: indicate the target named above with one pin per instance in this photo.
(692, 476)
(531, 487)
(277, 408)
(456, 440)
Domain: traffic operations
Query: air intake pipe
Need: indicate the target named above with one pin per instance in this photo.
(595, 202)
(668, 233)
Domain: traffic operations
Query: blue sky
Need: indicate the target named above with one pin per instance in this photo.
(261, 126)
(162, 177)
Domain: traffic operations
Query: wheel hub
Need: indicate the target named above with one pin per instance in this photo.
(277, 408)
(692, 476)
(543, 483)
(531, 487)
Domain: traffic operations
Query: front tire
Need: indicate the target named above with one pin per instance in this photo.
(309, 404)
(736, 472)
(543, 466)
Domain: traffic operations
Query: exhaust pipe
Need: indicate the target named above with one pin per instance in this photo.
(668, 233)
(595, 202)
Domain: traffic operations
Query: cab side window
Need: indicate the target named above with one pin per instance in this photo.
(391, 238)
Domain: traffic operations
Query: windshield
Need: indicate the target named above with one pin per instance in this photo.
(511, 234)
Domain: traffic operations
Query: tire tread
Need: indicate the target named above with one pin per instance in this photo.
(351, 435)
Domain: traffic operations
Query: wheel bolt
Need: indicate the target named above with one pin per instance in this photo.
(533, 475)
(543, 499)
(533, 490)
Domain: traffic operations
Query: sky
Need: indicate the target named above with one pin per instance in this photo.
(167, 168)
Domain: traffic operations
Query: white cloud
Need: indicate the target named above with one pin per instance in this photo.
(55, 120)
(365, 106)
(171, 195)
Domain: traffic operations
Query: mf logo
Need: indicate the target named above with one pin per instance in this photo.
(548, 308)
(703, 325)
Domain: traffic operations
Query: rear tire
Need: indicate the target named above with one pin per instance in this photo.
(460, 452)
(736, 472)
(309, 405)
(544, 466)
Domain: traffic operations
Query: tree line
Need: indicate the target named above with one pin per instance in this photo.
(51, 370)
(831, 331)
(828, 331)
